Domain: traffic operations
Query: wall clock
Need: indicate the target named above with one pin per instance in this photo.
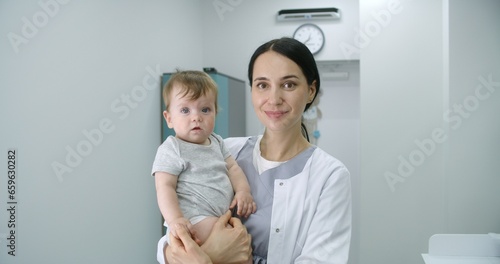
(311, 35)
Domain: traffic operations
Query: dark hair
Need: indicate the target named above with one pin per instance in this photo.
(298, 53)
(295, 51)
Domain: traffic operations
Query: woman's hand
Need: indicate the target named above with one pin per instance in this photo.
(181, 221)
(184, 249)
(229, 241)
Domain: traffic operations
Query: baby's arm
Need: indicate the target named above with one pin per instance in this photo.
(168, 202)
(242, 196)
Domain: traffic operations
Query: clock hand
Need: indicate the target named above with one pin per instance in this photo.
(307, 40)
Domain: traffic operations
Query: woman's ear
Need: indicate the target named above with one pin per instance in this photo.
(168, 118)
(312, 91)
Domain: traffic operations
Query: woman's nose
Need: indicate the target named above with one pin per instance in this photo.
(275, 97)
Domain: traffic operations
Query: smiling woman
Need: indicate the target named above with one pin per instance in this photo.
(279, 99)
(285, 81)
(291, 180)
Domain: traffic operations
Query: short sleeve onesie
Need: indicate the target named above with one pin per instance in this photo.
(203, 185)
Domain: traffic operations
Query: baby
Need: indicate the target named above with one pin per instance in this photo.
(196, 178)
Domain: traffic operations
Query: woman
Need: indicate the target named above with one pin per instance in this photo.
(302, 193)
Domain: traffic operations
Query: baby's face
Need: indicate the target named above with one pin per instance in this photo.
(192, 120)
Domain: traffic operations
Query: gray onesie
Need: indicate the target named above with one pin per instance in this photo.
(203, 186)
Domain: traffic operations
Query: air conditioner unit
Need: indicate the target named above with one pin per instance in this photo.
(308, 14)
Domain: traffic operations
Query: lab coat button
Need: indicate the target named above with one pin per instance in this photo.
(277, 230)
(281, 183)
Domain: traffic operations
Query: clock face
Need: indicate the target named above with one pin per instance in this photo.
(311, 35)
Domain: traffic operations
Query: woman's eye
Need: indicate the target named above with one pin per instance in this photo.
(289, 85)
(184, 110)
(261, 85)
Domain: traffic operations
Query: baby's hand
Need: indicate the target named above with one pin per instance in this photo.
(244, 201)
(181, 221)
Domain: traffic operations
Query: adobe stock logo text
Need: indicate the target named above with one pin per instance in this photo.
(92, 138)
(39, 20)
(425, 148)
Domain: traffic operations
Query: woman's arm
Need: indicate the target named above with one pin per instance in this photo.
(328, 238)
(228, 242)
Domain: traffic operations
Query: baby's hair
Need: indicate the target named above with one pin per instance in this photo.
(193, 84)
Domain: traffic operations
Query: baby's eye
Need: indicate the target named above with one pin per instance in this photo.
(184, 110)
(206, 110)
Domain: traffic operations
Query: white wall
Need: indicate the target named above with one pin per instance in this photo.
(443, 177)
(65, 80)
(473, 171)
(401, 101)
(339, 126)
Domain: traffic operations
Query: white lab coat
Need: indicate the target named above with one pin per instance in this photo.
(311, 214)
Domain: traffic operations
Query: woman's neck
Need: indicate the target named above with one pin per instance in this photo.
(282, 146)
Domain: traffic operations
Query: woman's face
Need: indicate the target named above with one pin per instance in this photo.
(279, 92)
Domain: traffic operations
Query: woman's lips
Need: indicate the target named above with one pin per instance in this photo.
(275, 114)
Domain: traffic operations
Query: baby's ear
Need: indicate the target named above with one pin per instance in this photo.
(168, 118)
